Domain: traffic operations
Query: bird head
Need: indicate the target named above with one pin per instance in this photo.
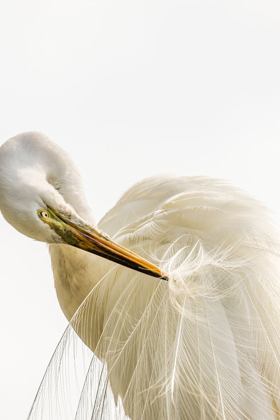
(41, 196)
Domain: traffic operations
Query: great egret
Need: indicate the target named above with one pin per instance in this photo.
(206, 343)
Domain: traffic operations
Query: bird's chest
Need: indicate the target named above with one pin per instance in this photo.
(74, 276)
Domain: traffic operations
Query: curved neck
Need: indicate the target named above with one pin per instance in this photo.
(75, 274)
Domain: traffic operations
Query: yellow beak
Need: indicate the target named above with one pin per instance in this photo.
(80, 235)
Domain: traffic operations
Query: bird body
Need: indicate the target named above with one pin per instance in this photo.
(203, 345)
(207, 344)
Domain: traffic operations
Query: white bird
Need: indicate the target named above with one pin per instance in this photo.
(201, 342)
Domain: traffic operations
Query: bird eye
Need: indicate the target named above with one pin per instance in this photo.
(43, 213)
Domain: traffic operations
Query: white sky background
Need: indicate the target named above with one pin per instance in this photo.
(129, 89)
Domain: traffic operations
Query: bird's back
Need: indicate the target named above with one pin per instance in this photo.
(206, 344)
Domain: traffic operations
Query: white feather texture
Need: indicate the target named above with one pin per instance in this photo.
(204, 345)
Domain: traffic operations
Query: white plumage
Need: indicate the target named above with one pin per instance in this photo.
(205, 344)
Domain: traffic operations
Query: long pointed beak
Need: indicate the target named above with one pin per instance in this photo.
(80, 235)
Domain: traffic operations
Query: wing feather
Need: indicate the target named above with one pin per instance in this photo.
(204, 345)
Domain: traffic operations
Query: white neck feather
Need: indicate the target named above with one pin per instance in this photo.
(75, 274)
